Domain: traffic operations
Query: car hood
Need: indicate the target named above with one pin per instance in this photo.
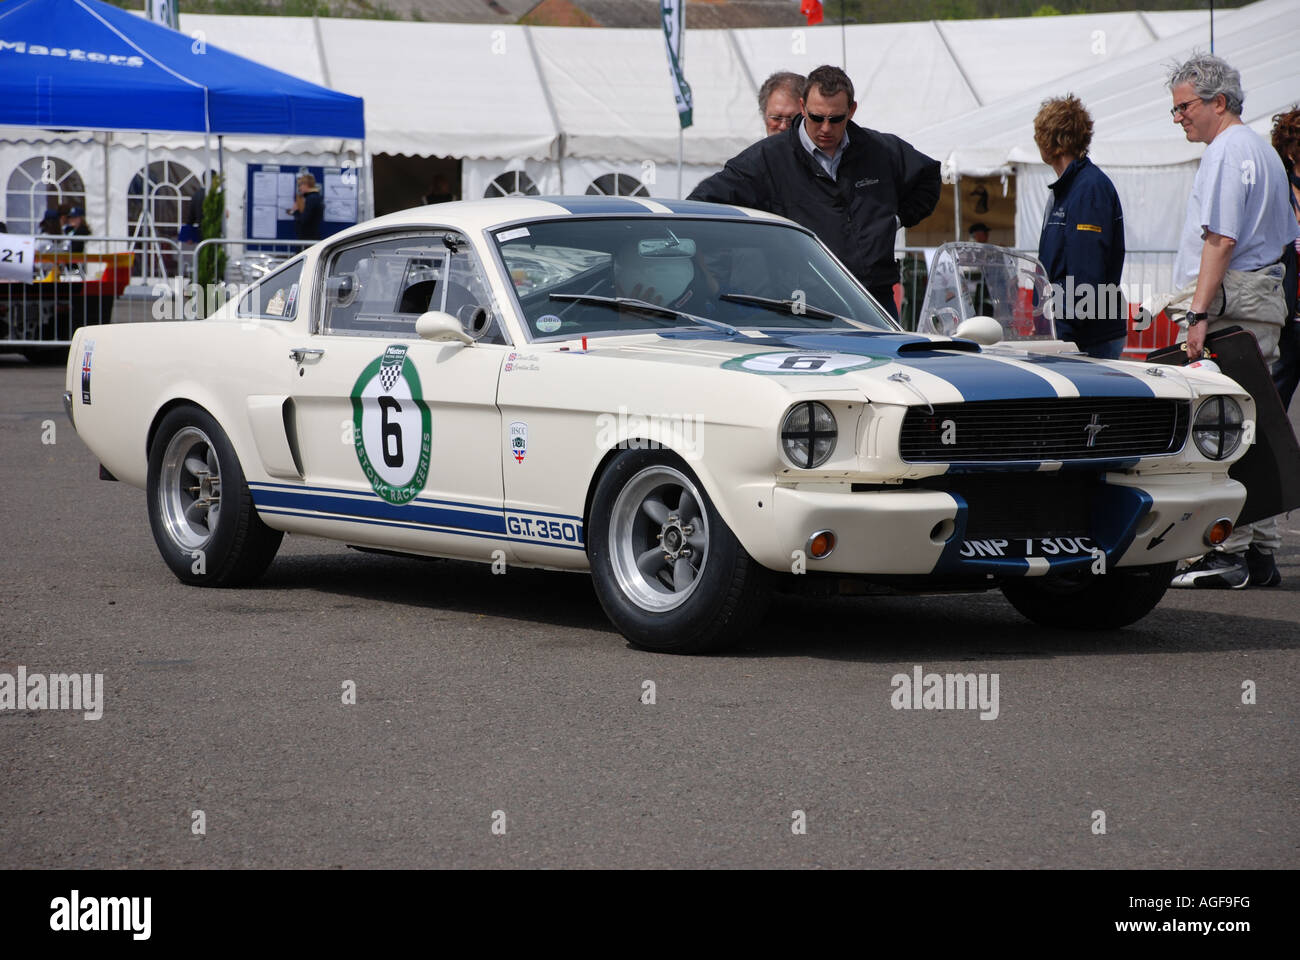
(905, 368)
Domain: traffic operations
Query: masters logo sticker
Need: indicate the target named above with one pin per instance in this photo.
(789, 361)
(392, 430)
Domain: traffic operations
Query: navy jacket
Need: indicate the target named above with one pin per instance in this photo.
(882, 181)
(1083, 238)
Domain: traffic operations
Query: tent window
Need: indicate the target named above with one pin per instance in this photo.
(618, 185)
(39, 184)
(512, 183)
(172, 199)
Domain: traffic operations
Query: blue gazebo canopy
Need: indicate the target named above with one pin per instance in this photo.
(86, 65)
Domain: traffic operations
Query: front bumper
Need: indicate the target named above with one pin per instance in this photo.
(1132, 520)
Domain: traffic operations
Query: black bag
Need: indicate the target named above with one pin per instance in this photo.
(1290, 281)
(1270, 469)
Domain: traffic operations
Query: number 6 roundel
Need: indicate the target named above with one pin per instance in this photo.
(392, 430)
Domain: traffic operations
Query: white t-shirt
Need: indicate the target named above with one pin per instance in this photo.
(1240, 192)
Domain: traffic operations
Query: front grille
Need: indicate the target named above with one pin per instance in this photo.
(1051, 429)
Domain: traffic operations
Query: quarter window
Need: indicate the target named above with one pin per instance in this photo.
(275, 296)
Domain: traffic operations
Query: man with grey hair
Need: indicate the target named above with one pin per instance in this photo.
(1229, 269)
(778, 100)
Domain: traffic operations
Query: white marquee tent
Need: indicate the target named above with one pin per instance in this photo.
(1134, 139)
(562, 106)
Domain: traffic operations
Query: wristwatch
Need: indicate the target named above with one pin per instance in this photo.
(1193, 318)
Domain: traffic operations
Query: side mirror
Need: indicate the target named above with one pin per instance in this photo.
(983, 330)
(440, 327)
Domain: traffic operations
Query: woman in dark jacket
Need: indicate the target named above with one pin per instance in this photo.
(1082, 243)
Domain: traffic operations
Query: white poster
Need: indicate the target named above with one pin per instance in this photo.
(264, 219)
(288, 188)
(16, 258)
(341, 197)
(265, 188)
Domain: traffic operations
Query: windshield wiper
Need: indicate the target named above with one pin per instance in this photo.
(783, 306)
(646, 306)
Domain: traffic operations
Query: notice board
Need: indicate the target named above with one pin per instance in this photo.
(272, 188)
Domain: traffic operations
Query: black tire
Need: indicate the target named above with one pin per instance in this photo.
(200, 508)
(721, 593)
(1086, 602)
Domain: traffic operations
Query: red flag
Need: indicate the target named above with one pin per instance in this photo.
(812, 9)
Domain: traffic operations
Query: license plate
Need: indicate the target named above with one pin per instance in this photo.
(1052, 548)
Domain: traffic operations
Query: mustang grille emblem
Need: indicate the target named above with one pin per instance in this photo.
(1093, 428)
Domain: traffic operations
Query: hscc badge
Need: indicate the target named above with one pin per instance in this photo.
(519, 440)
(392, 429)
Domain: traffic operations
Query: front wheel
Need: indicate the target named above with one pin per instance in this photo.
(1083, 601)
(668, 571)
(200, 508)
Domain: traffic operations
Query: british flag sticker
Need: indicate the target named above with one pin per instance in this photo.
(519, 440)
(85, 371)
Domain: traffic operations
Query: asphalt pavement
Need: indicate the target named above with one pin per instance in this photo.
(499, 720)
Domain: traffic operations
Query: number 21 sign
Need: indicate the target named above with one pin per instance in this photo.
(16, 258)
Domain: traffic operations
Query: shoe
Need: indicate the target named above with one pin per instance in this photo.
(1216, 570)
(1263, 571)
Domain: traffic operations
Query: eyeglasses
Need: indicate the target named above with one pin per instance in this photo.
(1182, 107)
(782, 121)
(819, 119)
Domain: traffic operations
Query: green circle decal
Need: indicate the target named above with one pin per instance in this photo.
(392, 431)
(805, 362)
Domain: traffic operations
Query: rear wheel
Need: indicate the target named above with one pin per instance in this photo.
(1083, 601)
(200, 508)
(668, 571)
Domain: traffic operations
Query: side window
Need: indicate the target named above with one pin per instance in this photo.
(381, 287)
(275, 296)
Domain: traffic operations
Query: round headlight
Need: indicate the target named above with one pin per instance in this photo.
(808, 434)
(1217, 427)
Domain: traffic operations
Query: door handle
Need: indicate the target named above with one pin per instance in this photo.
(299, 354)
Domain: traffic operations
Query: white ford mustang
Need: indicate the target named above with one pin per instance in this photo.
(696, 403)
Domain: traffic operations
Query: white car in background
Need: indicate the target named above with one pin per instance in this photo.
(694, 402)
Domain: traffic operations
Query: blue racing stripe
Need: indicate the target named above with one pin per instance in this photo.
(979, 378)
(413, 512)
(417, 526)
(976, 377)
(700, 208)
(599, 204)
(1093, 379)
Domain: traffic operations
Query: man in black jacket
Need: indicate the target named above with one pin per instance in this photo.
(851, 186)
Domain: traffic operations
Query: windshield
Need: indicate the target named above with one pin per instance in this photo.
(577, 278)
(978, 279)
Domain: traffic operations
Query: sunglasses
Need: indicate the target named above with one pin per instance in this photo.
(819, 119)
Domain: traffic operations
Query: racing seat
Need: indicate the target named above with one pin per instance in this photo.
(417, 297)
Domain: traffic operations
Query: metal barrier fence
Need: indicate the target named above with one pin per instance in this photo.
(71, 289)
(1146, 273)
(256, 258)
